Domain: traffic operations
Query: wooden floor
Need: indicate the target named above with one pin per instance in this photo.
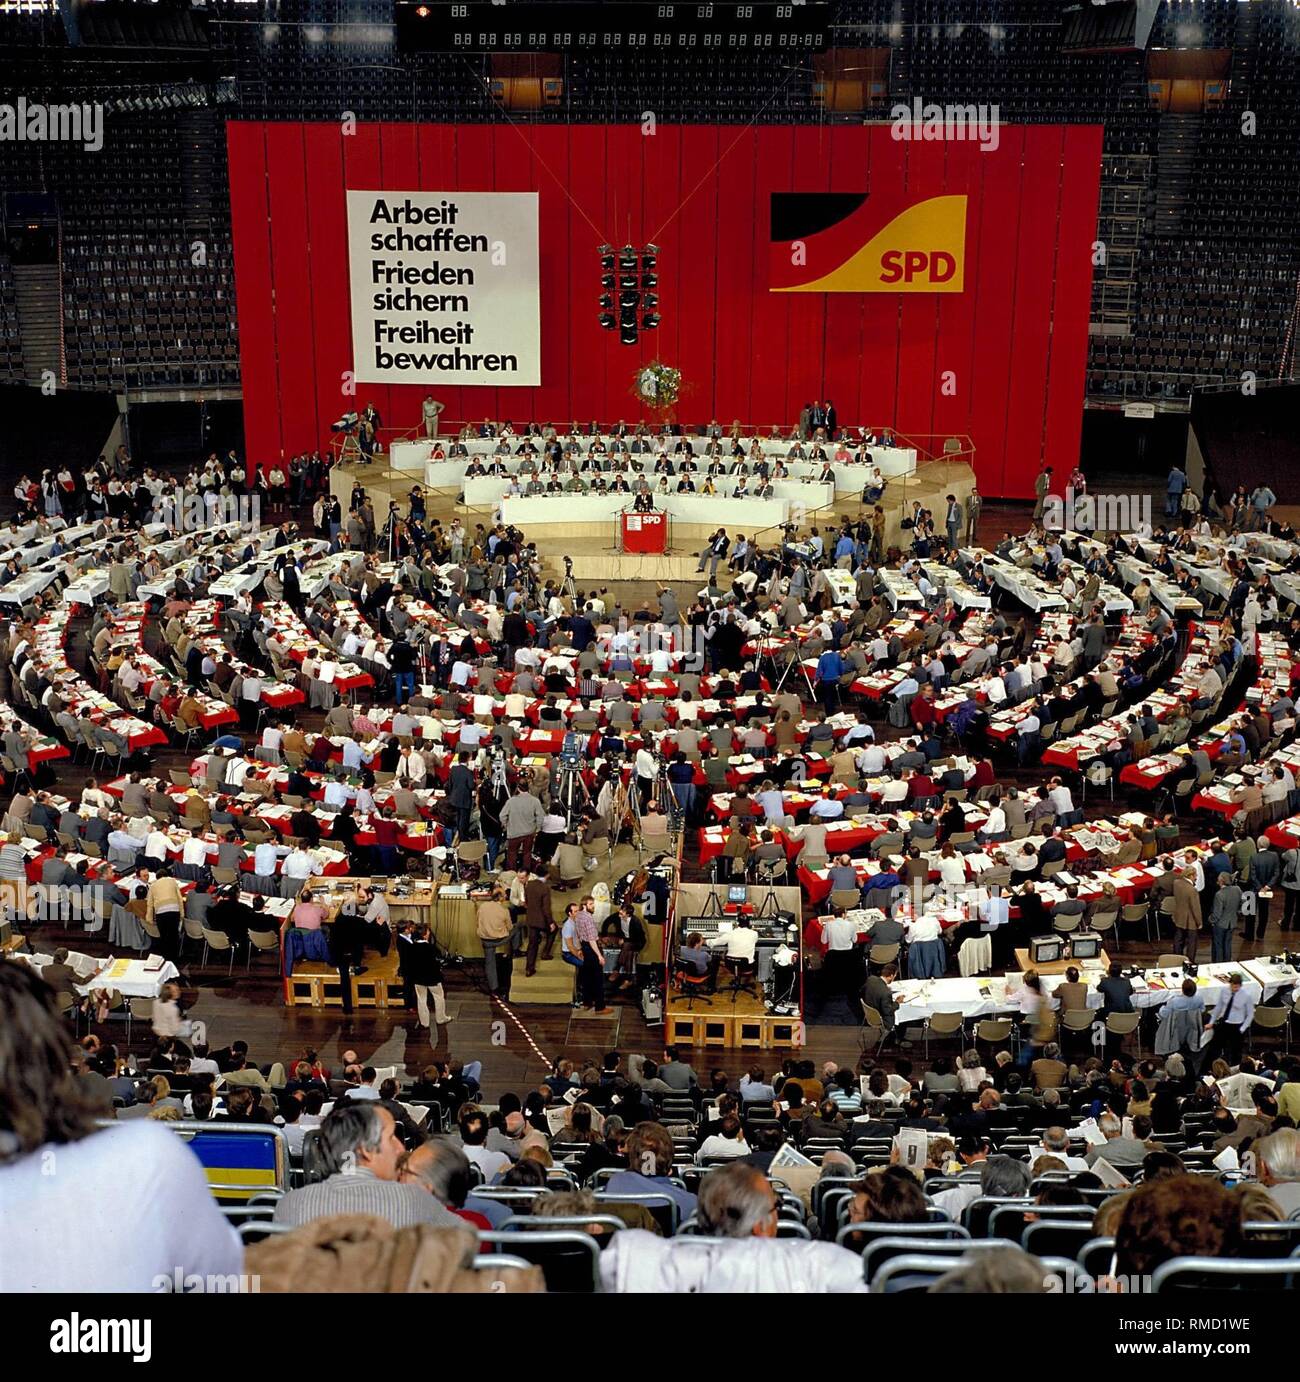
(516, 1045)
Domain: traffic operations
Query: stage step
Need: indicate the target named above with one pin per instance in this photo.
(552, 984)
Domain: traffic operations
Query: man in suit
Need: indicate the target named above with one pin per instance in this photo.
(61, 976)
(56, 872)
(1223, 918)
(539, 917)
(952, 520)
(1187, 912)
(305, 826)
(96, 830)
(1041, 486)
(713, 553)
(876, 993)
(460, 793)
(1072, 994)
(1119, 1150)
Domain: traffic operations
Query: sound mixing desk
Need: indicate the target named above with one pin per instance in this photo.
(776, 935)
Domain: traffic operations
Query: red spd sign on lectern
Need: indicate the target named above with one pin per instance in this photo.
(645, 532)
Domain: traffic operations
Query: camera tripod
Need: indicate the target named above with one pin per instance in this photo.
(570, 790)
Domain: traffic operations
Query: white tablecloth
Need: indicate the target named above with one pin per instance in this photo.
(484, 490)
(919, 999)
(133, 980)
(849, 478)
(744, 514)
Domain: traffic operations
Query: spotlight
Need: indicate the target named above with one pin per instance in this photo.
(627, 334)
(649, 321)
(649, 301)
(607, 283)
(606, 301)
(607, 321)
(649, 280)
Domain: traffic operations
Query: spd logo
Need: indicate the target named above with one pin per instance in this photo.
(843, 248)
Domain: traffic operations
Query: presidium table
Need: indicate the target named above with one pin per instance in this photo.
(895, 462)
(707, 509)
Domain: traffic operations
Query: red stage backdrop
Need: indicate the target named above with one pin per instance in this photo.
(996, 351)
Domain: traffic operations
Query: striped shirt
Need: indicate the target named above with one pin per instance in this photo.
(362, 1192)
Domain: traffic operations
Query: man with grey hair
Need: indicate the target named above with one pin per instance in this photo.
(1000, 1177)
(996, 1271)
(838, 1164)
(1277, 1164)
(738, 1212)
(1056, 1142)
(359, 1143)
(442, 1168)
(1119, 1150)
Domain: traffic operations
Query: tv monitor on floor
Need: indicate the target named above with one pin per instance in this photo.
(1046, 950)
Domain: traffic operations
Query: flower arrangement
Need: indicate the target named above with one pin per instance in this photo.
(657, 385)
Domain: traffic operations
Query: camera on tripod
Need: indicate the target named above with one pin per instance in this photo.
(570, 754)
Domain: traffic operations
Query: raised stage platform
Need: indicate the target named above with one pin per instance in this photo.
(593, 544)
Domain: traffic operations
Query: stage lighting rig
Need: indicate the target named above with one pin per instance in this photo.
(631, 273)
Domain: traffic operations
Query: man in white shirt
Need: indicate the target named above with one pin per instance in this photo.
(742, 941)
(298, 867)
(871, 761)
(839, 933)
(265, 857)
(272, 737)
(1062, 801)
(924, 928)
(996, 825)
(195, 852)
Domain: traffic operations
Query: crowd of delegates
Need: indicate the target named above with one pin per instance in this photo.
(113, 488)
(711, 1154)
(467, 611)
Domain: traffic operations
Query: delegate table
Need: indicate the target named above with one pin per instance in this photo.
(919, 999)
(893, 462)
(689, 508)
(481, 491)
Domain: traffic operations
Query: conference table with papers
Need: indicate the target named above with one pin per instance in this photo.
(893, 462)
(689, 508)
(976, 997)
(481, 491)
(1027, 587)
